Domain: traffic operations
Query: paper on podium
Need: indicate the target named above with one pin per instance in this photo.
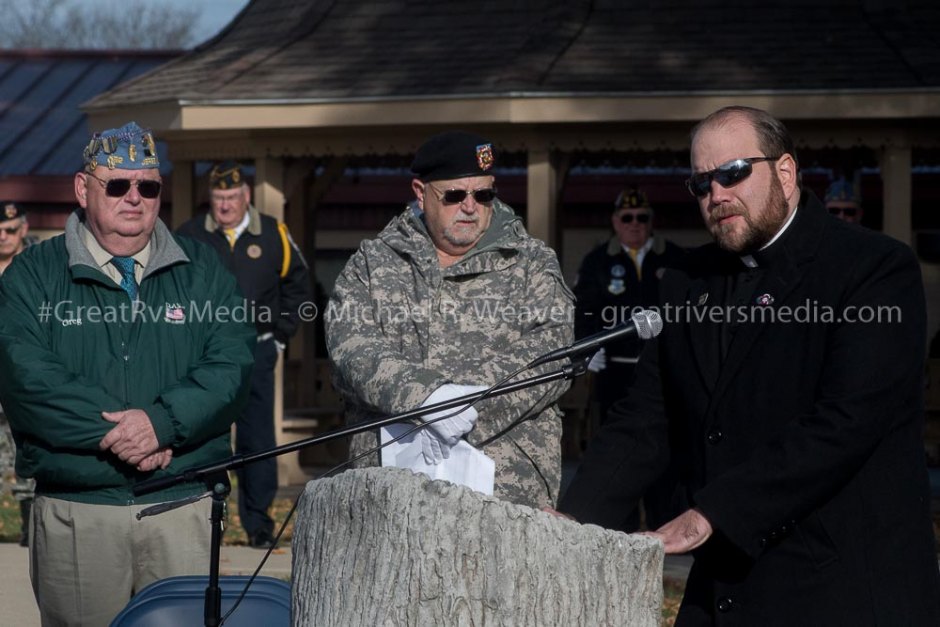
(466, 465)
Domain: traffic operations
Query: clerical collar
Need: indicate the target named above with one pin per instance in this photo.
(751, 261)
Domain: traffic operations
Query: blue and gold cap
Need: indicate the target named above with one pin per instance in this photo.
(842, 190)
(128, 148)
(226, 175)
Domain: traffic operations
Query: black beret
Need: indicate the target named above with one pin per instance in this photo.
(453, 155)
(10, 211)
(226, 175)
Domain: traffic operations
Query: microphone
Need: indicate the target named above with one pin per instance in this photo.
(645, 324)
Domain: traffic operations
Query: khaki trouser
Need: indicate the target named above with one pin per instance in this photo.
(86, 561)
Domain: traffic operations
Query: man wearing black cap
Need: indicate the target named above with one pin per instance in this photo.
(273, 277)
(449, 298)
(615, 280)
(13, 230)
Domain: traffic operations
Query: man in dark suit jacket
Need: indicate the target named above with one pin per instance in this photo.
(787, 385)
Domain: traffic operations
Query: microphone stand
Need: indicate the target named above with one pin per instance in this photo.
(213, 596)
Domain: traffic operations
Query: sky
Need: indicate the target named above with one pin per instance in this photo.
(216, 14)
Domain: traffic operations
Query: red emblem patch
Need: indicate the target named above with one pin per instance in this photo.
(485, 156)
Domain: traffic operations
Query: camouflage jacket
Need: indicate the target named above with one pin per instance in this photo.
(399, 325)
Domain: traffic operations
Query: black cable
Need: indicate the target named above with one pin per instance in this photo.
(483, 395)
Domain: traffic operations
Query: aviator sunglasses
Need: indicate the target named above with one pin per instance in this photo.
(642, 218)
(457, 196)
(117, 188)
(727, 175)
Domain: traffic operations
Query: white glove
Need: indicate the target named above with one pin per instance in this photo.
(453, 428)
(432, 448)
(598, 361)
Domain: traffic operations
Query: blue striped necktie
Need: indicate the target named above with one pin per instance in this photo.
(128, 283)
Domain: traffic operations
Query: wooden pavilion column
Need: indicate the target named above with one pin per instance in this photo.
(182, 197)
(541, 195)
(269, 186)
(895, 162)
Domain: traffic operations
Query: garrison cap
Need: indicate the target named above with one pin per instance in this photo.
(842, 190)
(454, 155)
(631, 198)
(128, 148)
(10, 211)
(226, 175)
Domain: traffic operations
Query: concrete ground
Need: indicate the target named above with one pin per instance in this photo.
(19, 606)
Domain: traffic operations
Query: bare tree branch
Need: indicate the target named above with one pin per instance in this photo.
(130, 24)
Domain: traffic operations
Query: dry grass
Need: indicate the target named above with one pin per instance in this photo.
(9, 519)
(672, 597)
(234, 534)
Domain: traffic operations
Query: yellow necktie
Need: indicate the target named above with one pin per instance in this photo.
(231, 237)
(636, 262)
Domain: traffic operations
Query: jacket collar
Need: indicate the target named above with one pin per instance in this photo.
(254, 222)
(164, 251)
(407, 235)
(614, 247)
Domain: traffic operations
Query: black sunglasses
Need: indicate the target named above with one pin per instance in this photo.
(457, 196)
(642, 218)
(10, 230)
(848, 211)
(727, 175)
(117, 188)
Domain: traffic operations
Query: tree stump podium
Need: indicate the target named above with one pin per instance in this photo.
(384, 546)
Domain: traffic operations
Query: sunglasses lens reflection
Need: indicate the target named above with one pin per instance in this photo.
(482, 196)
(735, 173)
(727, 175)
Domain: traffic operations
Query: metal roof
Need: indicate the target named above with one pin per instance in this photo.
(42, 129)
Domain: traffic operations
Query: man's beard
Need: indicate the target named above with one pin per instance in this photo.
(760, 226)
(463, 233)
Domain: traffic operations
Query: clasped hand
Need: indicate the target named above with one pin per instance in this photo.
(134, 441)
(441, 436)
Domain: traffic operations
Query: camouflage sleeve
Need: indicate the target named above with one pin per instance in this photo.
(546, 292)
(370, 369)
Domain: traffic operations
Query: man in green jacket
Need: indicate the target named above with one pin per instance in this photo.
(120, 360)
